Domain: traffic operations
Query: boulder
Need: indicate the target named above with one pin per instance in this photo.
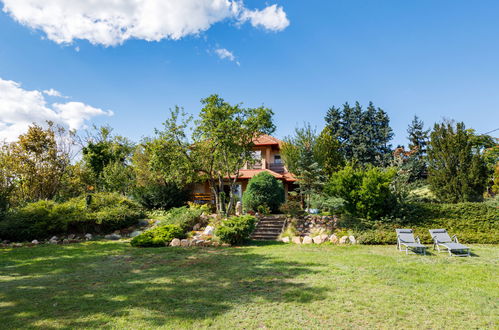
(215, 244)
(307, 240)
(71, 236)
(343, 239)
(53, 241)
(184, 243)
(175, 242)
(65, 241)
(324, 237)
(35, 242)
(285, 239)
(113, 236)
(296, 240)
(318, 239)
(225, 245)
(54, 238)
(196, 227)
(135, 233)
(88, 236)
(352, 239)
(208, 230)
(333, 239)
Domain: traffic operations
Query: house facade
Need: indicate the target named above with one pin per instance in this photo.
(266, 157)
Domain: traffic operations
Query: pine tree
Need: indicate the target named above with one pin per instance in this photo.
(456, 173)
(363, 135)
(418, 136)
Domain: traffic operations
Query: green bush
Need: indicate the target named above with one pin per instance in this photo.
(159, 196)
(185, 217)
(236, 230)
(263, 190)
(471, 222)
(107, 212)
(158, 236)
(366, 192)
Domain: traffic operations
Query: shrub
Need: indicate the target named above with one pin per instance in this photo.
(471, 222)
(236, 230)
(366, 192)
(327, 204)
(159, 196)
(185, 217)
(263, 190)
(158, 236)
(42, 219)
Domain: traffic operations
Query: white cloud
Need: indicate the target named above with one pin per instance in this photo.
(52, 92)
(19, 108)
(111, 22)
(223, 54)
(271, 18)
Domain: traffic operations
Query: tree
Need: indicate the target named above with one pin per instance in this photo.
(363, 135)
(366, 191)
(263, 190)
(38, 161)
(108, 158)
(302, 154)
(418, 136)
(219, 144)
(455, 172)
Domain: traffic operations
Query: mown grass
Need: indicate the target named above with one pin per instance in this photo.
(112, 285)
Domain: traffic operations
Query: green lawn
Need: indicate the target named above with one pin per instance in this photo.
(112, 285)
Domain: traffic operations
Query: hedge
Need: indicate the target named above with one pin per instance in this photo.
(471, 222)
(158, 236)
(39, 220)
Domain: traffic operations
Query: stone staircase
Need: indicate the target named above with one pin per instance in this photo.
(269, 227)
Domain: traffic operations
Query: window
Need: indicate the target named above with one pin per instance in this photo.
(277, 159)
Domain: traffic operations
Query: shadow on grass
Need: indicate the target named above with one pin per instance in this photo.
(89, 285)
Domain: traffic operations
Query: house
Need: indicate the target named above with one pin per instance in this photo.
(267, 157)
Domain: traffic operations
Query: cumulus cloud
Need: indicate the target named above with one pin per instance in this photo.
(53, 92)
(223, 54)
(271, 18)
(111, 22)
(19, 108)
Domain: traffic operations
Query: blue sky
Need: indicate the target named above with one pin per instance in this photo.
(432, 58)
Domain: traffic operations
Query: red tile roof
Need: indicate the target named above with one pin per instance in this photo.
(266, 140)
(248, 174)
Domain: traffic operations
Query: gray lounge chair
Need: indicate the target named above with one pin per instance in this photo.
(441, 239)
(405, 239)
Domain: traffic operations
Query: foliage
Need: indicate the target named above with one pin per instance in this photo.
(161, 196)
(158, 236)
(263, 190)
(324, 203)
(300, 153)
(422, 194)
(366, 192)
(42, 219)
(418, 136)
(292, 205)
(209, 152)
(363, 135)
(185, 217)
(290, 231)
(456, 172)
(107, 157)
(471, 222)
(37, 162)
(236, 230)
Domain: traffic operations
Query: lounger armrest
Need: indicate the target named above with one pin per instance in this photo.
(418, 240)
(454, 238)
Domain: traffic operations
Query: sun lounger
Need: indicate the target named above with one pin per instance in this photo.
(406, 240)
(441, 239)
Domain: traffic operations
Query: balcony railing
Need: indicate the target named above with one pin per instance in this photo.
(276, 167)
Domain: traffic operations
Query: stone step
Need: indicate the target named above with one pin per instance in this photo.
(262, 237)
(269, 226)
(271, 223)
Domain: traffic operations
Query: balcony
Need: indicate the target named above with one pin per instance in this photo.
(277, 167)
